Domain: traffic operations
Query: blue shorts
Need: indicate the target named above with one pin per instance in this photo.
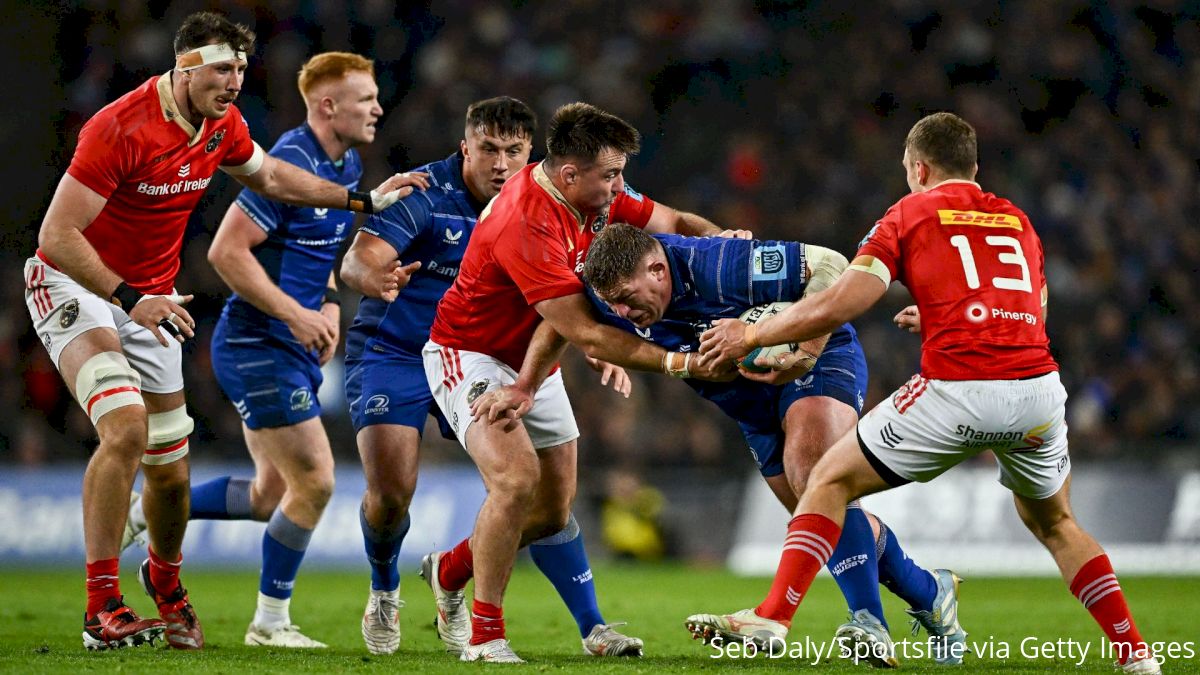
(390, 389)
(840, 373)
(272, 383)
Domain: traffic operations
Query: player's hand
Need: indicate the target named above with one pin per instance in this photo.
(908, 319)
(720, 371)
(505, 406)
(333, 312)
(397, 187)
(164, 315)
(394, 278)
(610, 375)
(312, 329)
(724, 343)
(784, 367)
(735, 234)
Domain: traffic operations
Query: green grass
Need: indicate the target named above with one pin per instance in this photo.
(40, 622)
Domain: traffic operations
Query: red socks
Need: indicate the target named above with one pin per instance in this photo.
(487, 622)
(457, 566)
(164, 576)
(102, 584)
(810, 541)
(1096, 587)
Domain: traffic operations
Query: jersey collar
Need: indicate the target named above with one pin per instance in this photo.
(952, 181)
(171, 113)
(543, 180)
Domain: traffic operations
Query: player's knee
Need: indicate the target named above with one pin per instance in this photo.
(319, 489)
(172, 478)
(106, 383)
(518, 487)
(393, 496)
(168, 436)
(123, 432)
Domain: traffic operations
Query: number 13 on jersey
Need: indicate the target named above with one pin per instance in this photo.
(1007, 251)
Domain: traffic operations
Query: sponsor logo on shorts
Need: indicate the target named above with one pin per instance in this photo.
(377, 405)
(68, 314)
(889, 436)
(1012, 441)
(477, 389)
(46, 340)
(214, 141)
(301, 399)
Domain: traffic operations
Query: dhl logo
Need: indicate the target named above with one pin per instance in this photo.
(979, 219)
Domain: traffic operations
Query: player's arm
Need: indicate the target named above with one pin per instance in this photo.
(372, 267)
(573, 318)
(508, 403)
(231, 255)
(285, 182)
(72, 209)
(854, 292)
(664, 219)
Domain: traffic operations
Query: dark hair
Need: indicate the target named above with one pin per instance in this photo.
(581, 131)
(946, 141)
(503, 116)
(205, 28)
(615, 256)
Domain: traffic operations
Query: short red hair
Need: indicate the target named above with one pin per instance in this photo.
(331, 66)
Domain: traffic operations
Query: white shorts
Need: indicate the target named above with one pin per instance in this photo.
(458, 377)
(62, 310)
(929, 426)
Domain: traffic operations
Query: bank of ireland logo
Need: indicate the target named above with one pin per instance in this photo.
(301, 399)
(377, 405)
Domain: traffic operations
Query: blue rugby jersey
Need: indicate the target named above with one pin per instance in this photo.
(715, 278)
(432, 226)
(302, 242)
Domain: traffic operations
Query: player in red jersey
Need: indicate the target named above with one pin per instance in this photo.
(521, 269)
(100, 290)
(973, 263)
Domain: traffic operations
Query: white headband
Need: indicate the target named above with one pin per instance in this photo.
(207, 55)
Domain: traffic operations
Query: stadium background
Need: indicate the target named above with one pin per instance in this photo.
(786, 118)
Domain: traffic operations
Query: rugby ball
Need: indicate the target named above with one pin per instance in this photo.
(755, 315)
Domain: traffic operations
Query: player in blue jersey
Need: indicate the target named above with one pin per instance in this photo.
(278, 328)
(668, 289)
(386, 385)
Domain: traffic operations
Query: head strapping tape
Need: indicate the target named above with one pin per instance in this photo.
(207, 55)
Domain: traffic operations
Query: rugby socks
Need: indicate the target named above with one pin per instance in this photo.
(283, 547)
(487, 622)
(1097, 588)
(900, 575)
(103, 584)
(383, 550)
(222, 498)
(457, 566)
(563, 560)
(164, 575)
(810, 542)
(853, 564)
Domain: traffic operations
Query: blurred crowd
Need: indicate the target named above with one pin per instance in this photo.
(786, 118)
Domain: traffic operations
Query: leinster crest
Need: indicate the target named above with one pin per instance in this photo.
(477, 389)
(68, 314)
(214, 141)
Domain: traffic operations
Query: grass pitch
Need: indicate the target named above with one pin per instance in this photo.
(41, 610)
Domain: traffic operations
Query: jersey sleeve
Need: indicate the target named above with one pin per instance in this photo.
(536, 258)
(883, 241)
(400, 223)
(631, 207)
(777, 272)
(240, 147)
(103, 156)
(268, 213)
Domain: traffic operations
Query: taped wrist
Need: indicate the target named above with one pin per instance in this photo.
(359, 201)
(677, 367)
(826, 265)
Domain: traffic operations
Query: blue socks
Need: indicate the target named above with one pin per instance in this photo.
(900, 575)
(283, 547)
(222, 498)
(562, 558)
(383, 550)
(853, 564)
